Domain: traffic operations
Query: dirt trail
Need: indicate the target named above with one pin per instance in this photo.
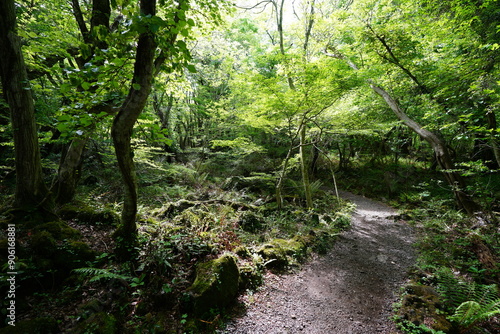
(349, 290)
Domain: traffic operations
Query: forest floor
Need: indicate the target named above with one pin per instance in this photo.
(351, 289)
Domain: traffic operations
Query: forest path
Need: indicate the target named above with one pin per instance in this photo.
(349, 290)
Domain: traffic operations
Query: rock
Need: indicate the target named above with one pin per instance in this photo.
(421, 306)
(43, 244)
(73, 254)
(215, 286)
(250, 277)
(59, 230)
(251, 222)
(260, 183)
(97, 323)
(278, 251)
(176, 208)
(86, 214)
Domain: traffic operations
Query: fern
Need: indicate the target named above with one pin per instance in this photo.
(470, 313)
(96, 274)
(471, 303)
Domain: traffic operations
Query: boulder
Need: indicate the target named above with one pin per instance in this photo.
(215, 286)
(278, 252)
(421, 306)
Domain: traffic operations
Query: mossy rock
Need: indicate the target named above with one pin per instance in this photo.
(257, 183)
(242, 251)
(251, 222)
(97, 323)
(176, 208)
(278, 251)
(215, 286)
(250, 277)
(74, 254)
(59, 230)
(86, 214)
(43, 244)
(32, 326)
(421, 306)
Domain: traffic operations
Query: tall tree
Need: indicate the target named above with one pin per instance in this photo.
(31, 190)
(147, 65)
(124, 123)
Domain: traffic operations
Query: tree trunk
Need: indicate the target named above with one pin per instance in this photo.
(442, 153)
(303, 166)
(492, 126)
(121, 131)
(31, 190)
(281, 178)
(69, 171)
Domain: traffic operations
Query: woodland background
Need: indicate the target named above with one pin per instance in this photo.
(139, 138)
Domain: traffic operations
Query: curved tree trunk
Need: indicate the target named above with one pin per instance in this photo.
(121, 131)
(31, 190)
(442, 154)
(443, 157)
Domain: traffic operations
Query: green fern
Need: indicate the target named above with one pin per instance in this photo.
(471, 313)
(471, 303)
(96, 274)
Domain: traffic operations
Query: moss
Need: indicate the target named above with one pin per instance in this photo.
(421, 306)
(97, 323)
(242, 252)
(280, 251)
(32, 326)
(89, 215)
(43, 244)
(74, 254)
(216, 284)
(176, 208)
(59, 230)
(251, 222)
(250, 277)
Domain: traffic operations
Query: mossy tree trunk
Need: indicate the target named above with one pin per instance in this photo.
(121, 131)
(304, 166)
(69, 171)
(31, 190)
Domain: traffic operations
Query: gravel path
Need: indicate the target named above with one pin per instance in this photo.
(349, 290)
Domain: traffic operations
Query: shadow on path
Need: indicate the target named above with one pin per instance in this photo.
(349, 290)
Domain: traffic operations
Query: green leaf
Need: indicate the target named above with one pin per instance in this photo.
(191, 68)
(85, 85)
(136, 86)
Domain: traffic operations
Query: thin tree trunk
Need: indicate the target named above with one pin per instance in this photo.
(69, 171)
(303, 166)
(123, 124)
(31, 190)
(492, 126)
(281, 178)
(443, 156)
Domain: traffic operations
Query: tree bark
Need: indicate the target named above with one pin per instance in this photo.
(31, 190)
(303, 166)
(454, 179)
(69, 171)
(123, 125)
(492, 126)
